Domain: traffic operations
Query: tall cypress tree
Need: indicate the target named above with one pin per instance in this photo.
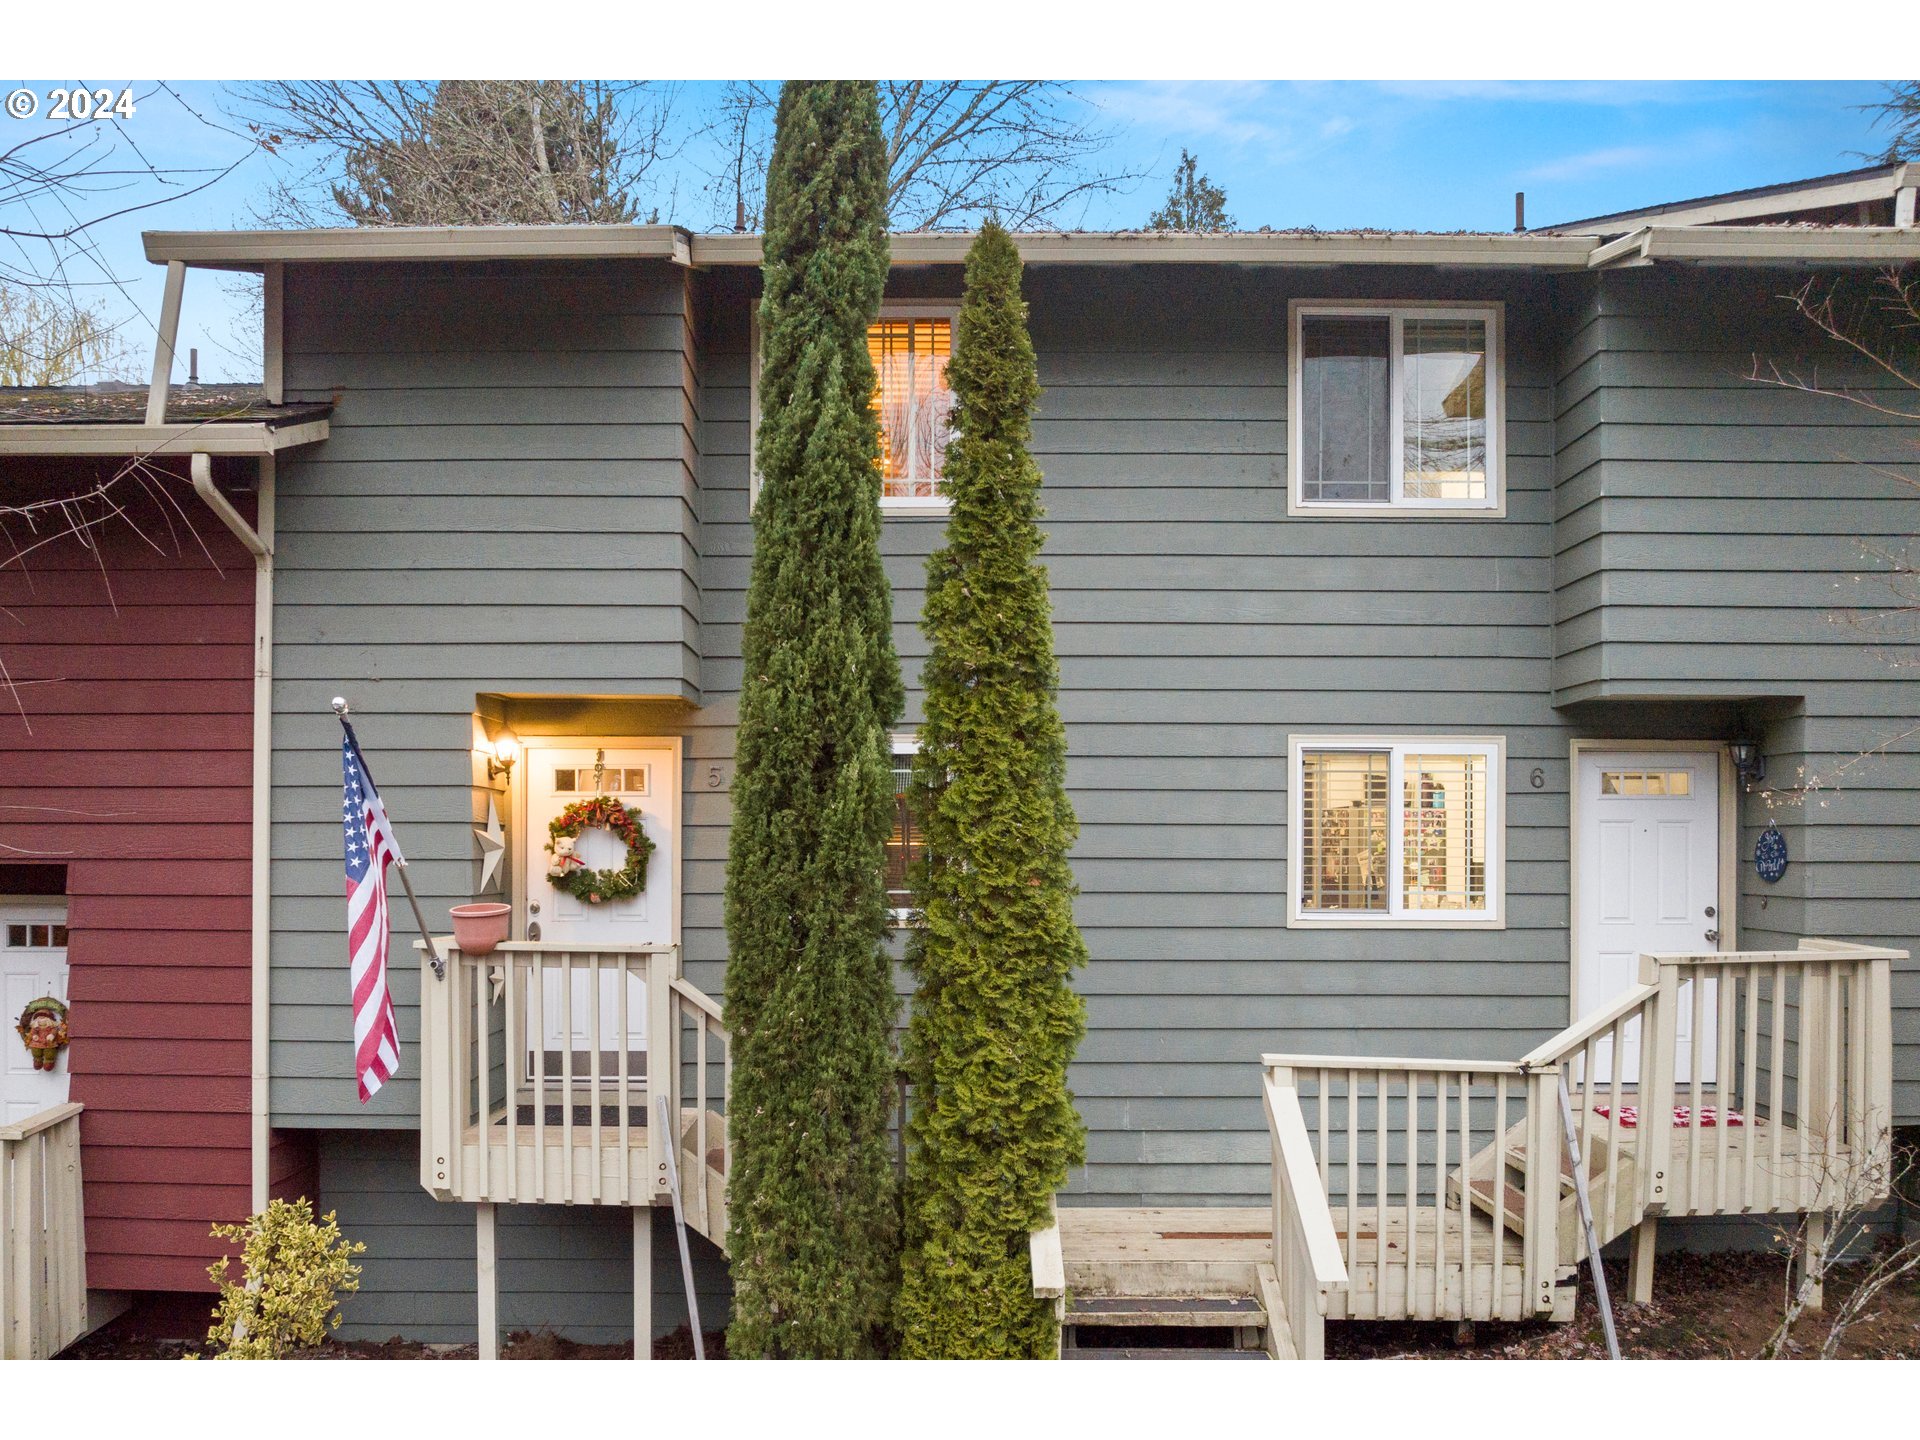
(813, 1221)
(994, 1020)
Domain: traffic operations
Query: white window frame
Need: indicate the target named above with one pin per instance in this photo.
(1397, 313)
(1396, 916)
(889, 310)
(903, 743)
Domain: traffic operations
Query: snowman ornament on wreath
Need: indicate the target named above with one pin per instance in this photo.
(568, 872)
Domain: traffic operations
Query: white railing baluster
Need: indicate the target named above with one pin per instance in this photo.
(1750, 1087)
(1381, 1190)
(1696, 1051)
(537, 1025)
(621, 1011)
(1725, 1050)
(595, 1097)
(1353, 1149)
(566, 1077)
(1777, 1090)
(1499, 1258)
(511, 1065)
(483, 1082)
(1412, 1185)
(700, 1110)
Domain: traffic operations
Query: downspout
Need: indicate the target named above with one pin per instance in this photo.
(258, 538)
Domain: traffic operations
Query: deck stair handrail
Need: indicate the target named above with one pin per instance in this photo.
(1720, 1083)
(1308, 1268)
(43, 1242)
(541, 1067)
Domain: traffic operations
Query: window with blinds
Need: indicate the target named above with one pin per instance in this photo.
(915, 407)
(1397, 831)
(906, 844)
(1394, 408)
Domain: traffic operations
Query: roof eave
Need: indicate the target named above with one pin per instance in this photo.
(1760, 245)
(224, 437)
(252, 249)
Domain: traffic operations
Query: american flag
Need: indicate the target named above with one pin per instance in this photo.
(370, 849)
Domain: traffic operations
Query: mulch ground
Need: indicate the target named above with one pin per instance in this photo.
(1704, 1307)
(126, 1341)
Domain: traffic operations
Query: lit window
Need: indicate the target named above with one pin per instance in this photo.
(1675, 784)
(1398, 831)
(915, 407)
(1394, 409)
(906, 844)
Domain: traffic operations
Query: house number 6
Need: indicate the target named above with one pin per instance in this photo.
(1538, 778)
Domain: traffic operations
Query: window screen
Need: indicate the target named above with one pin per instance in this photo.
(1345, 407)
(1444, 409)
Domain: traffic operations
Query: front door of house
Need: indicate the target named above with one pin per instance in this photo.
(33, 964)
(1648, 861)
(644, 777)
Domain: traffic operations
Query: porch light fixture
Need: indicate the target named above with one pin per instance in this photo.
(505, 750)
(1748, 763)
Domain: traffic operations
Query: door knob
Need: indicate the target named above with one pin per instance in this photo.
(1713, 937)
(533, 930)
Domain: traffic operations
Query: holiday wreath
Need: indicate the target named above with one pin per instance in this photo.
(570, 873)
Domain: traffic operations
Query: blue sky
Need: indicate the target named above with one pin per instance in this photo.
(1329, 154)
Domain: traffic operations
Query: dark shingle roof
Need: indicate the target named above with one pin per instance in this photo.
(112, 403)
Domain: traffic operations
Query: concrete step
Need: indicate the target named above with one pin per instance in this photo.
(1164, 1311)
(1190, 1353)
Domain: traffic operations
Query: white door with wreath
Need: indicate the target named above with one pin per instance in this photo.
(33, 968)
(589, 886)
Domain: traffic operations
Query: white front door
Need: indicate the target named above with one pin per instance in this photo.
(33, 963)
(646, 779)
(1648, 856)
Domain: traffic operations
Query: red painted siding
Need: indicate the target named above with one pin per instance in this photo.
(133, 666)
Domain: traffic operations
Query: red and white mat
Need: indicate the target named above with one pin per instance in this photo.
(1682, 1116)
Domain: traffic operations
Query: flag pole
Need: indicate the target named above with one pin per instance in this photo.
(341, 708)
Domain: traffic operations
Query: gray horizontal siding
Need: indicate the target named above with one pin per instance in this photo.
(1715, 536)
(562, 1269)
(1197, 627)
(506, 503)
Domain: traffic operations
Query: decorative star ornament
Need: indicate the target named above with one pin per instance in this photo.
(493, 848)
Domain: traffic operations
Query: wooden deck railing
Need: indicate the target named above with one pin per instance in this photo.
(541, 1071)
(1386, 1137)
(1307, 1266)
(1447, 1181)
(43, 1242)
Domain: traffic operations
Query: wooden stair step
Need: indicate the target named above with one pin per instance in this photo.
(1158, 1311)
(1210, 1352)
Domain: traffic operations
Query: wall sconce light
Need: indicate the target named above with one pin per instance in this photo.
(506, 750)
(1748, 763)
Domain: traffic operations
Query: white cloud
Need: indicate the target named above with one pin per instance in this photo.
(1681, 150)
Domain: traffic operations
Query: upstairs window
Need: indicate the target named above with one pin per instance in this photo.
(1394, 408)
(910, 346)
(1396, 831)
(906, 844)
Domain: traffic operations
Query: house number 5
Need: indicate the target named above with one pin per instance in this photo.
(1538, 778)
(715, 777)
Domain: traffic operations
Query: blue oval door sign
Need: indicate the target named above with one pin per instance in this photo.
(1770, 854)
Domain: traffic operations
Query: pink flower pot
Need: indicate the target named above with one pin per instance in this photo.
(478, 928)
